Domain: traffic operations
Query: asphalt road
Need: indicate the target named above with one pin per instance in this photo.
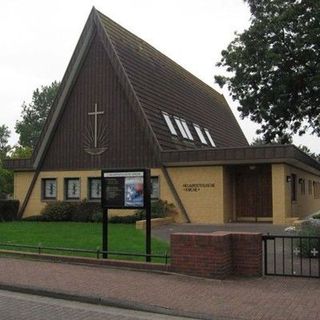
(18, 306)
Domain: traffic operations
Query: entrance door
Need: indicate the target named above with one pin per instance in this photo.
(253, 193)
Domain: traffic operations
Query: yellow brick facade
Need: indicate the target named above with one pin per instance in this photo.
(285, 210)
(207, 192)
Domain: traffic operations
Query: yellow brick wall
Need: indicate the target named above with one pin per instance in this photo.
(21, 184)
(283, 208)
(205, 205)
(36, 204)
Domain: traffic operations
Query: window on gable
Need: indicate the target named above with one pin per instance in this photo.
(209, 137)
(181, 128)
(186, 129)
(200, 134)
(169, 123)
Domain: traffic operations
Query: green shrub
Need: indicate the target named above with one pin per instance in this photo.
(83, 211)
(159, 209)
(59, 211)
(9, 210)
(308, 229)
(87, 211)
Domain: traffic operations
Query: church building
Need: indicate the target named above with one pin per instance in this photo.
(123, 104)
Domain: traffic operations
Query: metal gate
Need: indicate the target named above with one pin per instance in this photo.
(295, 256)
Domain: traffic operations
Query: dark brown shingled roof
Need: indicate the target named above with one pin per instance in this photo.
(153, 83)
(162, 85)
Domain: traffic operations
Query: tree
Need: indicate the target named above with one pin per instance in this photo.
(6, 176)
(4, 138)
(19, 152)
(273, 67)
(35, 114)
(258, 141)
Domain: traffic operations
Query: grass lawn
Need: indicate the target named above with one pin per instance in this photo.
(122, 237)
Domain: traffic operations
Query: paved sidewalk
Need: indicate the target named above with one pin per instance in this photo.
(163, 232)
(265, 298)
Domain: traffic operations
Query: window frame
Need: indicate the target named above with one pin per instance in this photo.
(200, 134)
(90, 189)
(43, 190)
(208, 134)
(169, 123)
(293, 187)
(153, 198)
(181, 128)
(66, 198)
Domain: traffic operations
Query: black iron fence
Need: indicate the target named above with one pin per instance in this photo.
(97, 253)
(296, 256)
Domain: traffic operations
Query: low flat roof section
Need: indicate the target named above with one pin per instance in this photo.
(289, 154)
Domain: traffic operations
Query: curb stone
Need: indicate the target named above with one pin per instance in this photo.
(109, 302)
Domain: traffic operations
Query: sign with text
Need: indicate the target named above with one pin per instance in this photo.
(124, 189)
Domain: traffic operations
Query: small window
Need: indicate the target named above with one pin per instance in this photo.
(200, 134)
(155, 188)
(181, 128)
(49, 189)
(209, 137)
(310, 187)
(169, 123)
(94, 189)
(316, 190)
(293, 187)
(186, 129)
(302, 186)
(72, 189)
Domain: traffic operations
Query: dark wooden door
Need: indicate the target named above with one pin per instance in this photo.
(253, 191)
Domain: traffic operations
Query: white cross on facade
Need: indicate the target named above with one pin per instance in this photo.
(95, 113)
(296, 251)
(314, 252)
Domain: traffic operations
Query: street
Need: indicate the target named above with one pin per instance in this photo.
(18, 306)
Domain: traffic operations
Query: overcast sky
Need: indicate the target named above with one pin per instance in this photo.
(39, 36)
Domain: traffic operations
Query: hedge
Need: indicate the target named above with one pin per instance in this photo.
(9, 210)
(91, 212)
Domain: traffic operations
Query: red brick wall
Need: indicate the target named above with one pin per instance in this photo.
(216, 255)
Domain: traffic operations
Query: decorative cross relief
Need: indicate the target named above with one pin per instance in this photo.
(314, 252)
(296, 251)
(95, 137)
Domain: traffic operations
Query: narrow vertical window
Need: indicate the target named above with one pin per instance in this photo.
(209, 137)
(169, 123)
(181, 128)
(72, 189)
(155, 188)
(310, 187)
(302, 186)
(49, 189)
(293, 187)
(94, 189)
(186, 129)
(200, 134)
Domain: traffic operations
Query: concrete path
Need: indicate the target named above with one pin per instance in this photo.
(163, 232)
(263, 298)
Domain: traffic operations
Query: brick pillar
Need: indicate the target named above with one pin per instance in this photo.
(202, 254)
(216, 255)
(247, 254)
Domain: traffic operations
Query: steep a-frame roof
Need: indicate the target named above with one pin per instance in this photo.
(162, 85)
(153, 84)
